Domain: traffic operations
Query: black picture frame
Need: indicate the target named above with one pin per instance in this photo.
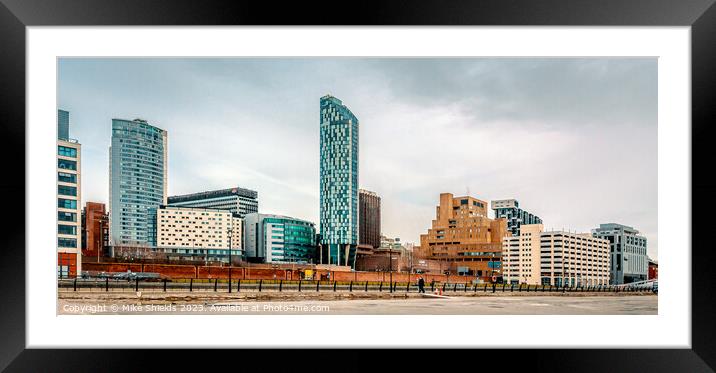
(700, 15)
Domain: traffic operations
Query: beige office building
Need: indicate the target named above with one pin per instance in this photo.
(199, 233)
(554, 258)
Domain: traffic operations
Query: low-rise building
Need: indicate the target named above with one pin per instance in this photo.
(653, 270)
(199, 234)
(555, 258)
(279, 239)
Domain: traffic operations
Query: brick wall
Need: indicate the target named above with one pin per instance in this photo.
(199, 271)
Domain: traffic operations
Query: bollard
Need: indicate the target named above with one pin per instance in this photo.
(191, 284)
(380, 289)
(299, 286)
(503, 287)
(216, 283)
(238, 286)
(432, 285)
(318, 285)
(334, 285)
(74, 284)
(261, 285)
(280, 286)
(350, 287)
(454, 288)
(475, 290)
(484, 288)
(493, 288)
(543, 288)
(407, 288)
(443, 288)
(512, 288)
(136, 285)
(366, 286)
(466, 287)
(106, 284)
(165, 285)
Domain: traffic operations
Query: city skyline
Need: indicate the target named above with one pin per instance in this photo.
(579, 150)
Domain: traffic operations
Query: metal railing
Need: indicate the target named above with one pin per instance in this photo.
(238, 286)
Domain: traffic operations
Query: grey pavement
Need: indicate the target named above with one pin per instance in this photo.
(522, 305)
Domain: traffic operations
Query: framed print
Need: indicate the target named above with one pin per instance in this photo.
(233, 176)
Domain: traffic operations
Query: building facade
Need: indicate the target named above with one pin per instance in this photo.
(199, 234)
(629, 261)
(369, 218)
(554, 258)
(239, 201)
(509, 209)
(63, 124)
(138, 181)
(95, 230)
(279, 239)
(464, 238)
(69, 209)
(653, 270)
(338, 182)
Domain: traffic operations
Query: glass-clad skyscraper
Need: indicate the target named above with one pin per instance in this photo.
(138, 181)
(63, 124)
(339, 183)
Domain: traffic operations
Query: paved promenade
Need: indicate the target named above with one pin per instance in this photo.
(411, 305)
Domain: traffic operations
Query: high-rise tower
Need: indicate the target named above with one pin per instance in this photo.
(339, 183)
(137, 180)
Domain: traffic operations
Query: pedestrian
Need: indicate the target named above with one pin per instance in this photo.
(421, 285)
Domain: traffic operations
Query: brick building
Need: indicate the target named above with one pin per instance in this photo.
(95, 230)
(464, 237)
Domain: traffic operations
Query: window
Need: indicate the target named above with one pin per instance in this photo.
(66, 164)
(66, 203)
(66, 216)
(66, 229)
(66, 242)
(66, 152)
(66, 190)
(66, 178)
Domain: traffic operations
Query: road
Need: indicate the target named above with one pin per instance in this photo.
(523, 305)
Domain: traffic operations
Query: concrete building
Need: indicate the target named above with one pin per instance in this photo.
(95, 230)
(138, 181)
(69, 226)
(199, 234)
(464, 237)
(554, 258)
(369, 218)
(279, 239)
(509, 209)
(338, 182)
(629, 262)
(239, 201)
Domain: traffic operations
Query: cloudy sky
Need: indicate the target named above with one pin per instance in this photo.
(574, 140)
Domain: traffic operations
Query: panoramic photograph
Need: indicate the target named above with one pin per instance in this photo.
(355, 185)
